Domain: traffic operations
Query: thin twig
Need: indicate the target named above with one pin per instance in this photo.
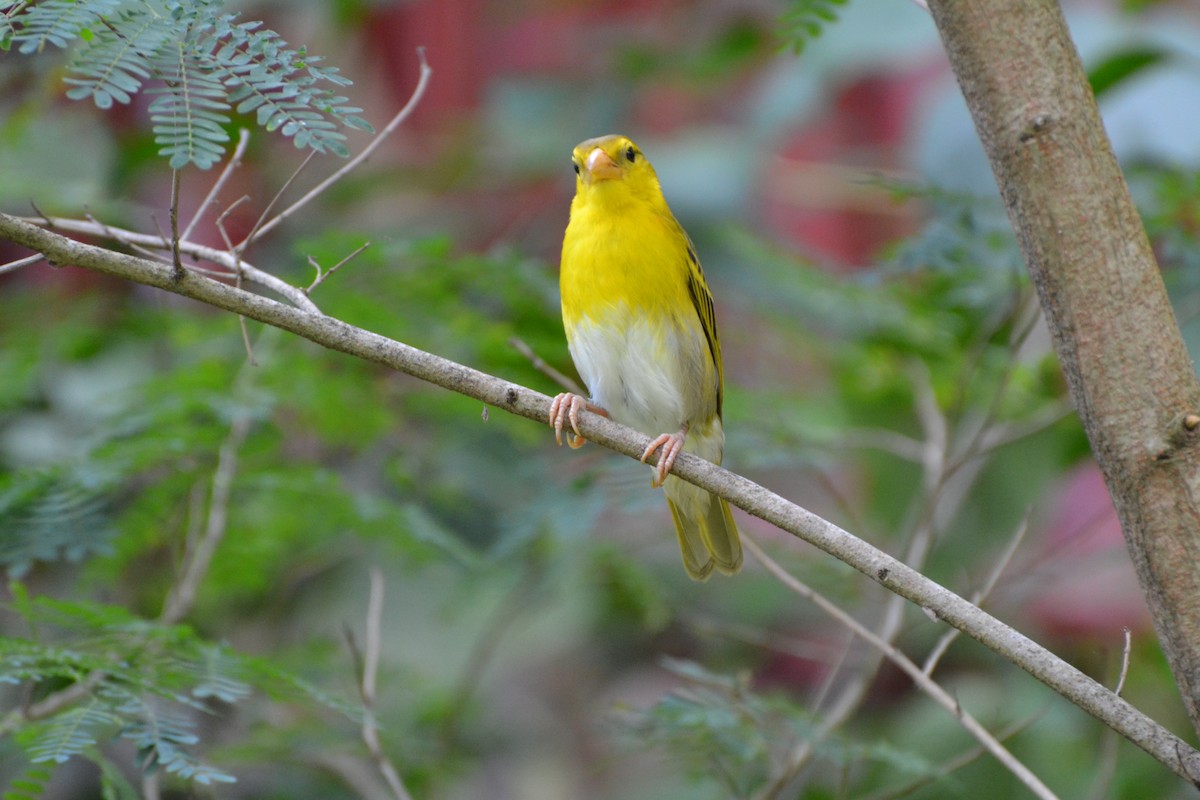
(1106, 761)
(183, 594)
(13, 266)
(322, 275)
(234, 161)
(137, 248)
(1124, 663)
(369, 664)
(932, 455)
(401, 116)
(978, 444)
(541, 366)
(237, 255)
(888, 441)
(174, 216)
(495, 627)
(211, 254)
(978, 597)
(257, 230)
(919, 678)
(998, 436)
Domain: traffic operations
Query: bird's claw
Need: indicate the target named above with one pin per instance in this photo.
(672, 445)
(564, 408)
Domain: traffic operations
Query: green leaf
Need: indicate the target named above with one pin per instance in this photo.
(1121, 66)
(201, 63)
(54, 513)
(71, 732)
(806, 19)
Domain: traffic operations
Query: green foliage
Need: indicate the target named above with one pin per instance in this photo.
(30, 785)
(136, 679)
(806, 19)
(724, 730)
(52, 513)
(199, 63)
(1123, 65)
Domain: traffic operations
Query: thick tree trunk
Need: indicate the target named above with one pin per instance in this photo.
(1133, 383)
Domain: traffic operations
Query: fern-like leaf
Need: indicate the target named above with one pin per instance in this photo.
(215, 669)
(806, 20)
(58, 22)
(161, 736)
(7, 31)
(280, 87)
(114, 66)
(189, 113)
(206, 61)
(72, 731)
(22, 661)
(49, 514)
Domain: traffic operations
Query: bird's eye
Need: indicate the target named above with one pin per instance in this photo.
(575, 164)
(631, 155)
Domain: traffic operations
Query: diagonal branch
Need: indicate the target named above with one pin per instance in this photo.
(226, 259)
(1176, 754)
(198, 559)
(906, 665)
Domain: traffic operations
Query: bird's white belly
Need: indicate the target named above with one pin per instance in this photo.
(642, 374)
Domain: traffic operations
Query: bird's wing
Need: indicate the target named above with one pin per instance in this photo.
(703, 303)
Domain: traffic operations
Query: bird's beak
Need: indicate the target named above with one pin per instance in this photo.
(599, 166)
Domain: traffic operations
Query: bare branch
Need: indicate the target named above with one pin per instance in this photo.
(257, 230)
(322, 275)
(370, 672)
(922, 681)
(174, 217)
(227, 260)
(1124, 663)
(234, 162)
(978, 597)
(241, 272)
(13, 266)
(183, 593)
(932, 453)
(888, 441)
(888, 571)
(396, 121)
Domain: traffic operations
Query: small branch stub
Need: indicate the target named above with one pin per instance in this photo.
(1182, 431)
(1035, 128)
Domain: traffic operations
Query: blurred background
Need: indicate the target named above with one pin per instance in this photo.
(885, 367)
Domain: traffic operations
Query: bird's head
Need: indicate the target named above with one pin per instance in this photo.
(613, 165)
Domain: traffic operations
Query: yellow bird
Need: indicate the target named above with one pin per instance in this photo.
(642, 332)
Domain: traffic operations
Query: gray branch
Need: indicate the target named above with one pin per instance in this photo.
(891, 573)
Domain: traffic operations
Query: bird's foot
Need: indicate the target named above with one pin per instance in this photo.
(672, 446)
(565, 408)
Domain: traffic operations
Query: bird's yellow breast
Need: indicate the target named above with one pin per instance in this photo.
(612, 257)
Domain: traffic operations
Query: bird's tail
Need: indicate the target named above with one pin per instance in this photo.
(708, 537)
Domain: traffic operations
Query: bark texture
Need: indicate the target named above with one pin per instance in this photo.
(1131, 378)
